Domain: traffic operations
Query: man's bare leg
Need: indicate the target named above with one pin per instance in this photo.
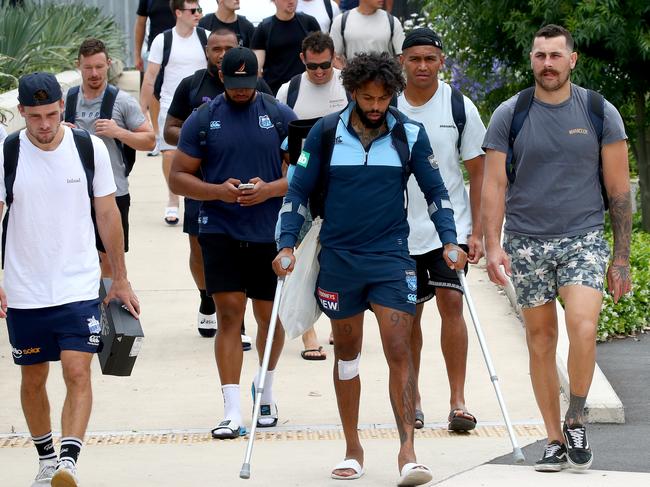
(34, 400)
(227, 345)
(416, 351)
(79, 395)
(348, 337)
(168, 156)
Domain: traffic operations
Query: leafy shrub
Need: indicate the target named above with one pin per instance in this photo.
(46, 37)
(631, 315)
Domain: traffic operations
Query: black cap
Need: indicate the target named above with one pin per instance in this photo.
(422, 36)
(38, 89)
(239, 68)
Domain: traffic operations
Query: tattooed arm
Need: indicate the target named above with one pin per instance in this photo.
(617, 182)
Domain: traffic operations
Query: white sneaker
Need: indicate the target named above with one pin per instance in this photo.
(65, 475)
(207, 324)
(246, 343)
(45, 473)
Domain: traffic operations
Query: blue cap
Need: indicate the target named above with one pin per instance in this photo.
(36, 89)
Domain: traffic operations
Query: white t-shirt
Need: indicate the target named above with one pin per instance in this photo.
(51, 257)
(367, 33)
(316, 8)
(437, 119)
(186, 56)
(316, 100)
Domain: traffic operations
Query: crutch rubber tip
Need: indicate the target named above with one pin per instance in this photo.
(518, 455)
(245, 472)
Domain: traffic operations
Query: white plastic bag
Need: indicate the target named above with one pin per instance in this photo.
(298, 307)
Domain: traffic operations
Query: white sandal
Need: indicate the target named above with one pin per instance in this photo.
(415, 474)
(350, 464)
(171, 215)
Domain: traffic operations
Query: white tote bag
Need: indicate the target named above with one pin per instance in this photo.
(298, 307)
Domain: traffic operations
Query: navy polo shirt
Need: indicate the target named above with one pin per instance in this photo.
(241, 143)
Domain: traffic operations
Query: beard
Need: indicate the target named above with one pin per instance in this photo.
(239, 103)
(213, 69)
(553, 84)
(366, 121)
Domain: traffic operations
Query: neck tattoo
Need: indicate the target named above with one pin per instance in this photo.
(366, 134)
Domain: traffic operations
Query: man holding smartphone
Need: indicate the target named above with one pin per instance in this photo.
(235, 142)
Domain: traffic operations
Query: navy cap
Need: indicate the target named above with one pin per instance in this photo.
(422, 36)
(38, 89)
(239, 68)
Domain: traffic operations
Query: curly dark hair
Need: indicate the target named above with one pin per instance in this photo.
(374, 66)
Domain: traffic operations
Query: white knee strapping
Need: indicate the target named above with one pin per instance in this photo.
(349, 369)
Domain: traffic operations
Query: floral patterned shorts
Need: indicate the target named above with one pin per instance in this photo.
(541, 266)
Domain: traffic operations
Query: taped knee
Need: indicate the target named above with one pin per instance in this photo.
(349, 369)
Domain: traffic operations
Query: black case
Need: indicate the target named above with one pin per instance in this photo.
(122, 336)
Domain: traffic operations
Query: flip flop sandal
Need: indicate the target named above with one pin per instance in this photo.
(461, 420)
(171, 215)
(267, 411)
(419, 420)
(320, 355)
(228, 430)
(415, 474)
(350, 464)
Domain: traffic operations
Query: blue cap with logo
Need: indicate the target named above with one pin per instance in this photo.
(36, 89)
(239, 68)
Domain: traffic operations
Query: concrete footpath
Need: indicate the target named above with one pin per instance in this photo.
(152, 429)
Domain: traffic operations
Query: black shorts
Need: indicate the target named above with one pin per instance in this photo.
(433, 272)
(123, 204)
(233, 266)
(191, 217)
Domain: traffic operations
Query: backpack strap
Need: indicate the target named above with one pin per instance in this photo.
(398, 134)
(271, 107)
(108, 102)
(86, 152)
(294, 88)
(203, 112)
(299, 17)
(71, 104)
(391, 23)
(344, 20)
(203, 37)
(168, 37)
(195, 87)
(11, 150)
(596, 111)
(522, 107)
(328, 9)
(458, 113)
(328, 138)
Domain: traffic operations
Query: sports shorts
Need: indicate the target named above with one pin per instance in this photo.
(542, 266)
(123, 204)
(162, 116)
(349, 281)
(433, 273)
(39, 335)
(234, 266)
(191, 217)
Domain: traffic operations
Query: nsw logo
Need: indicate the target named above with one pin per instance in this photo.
(94, 326)
(411, 281)
(328, 300)
(265, 122)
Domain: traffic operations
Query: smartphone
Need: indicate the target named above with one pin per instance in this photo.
(246, 186)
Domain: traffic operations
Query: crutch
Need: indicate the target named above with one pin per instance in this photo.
(245, 472)
(516, 451)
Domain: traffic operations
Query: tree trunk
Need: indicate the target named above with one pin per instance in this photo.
(643, 156)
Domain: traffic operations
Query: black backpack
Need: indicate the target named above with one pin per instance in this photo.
(596, 111)
(11, 151)
(105, 112)
(328, 9)
(294, 89)
(167, 49)
(344, 20)
(328, 139)
(268, 21)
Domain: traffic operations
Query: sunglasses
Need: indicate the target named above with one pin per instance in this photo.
(315, 66)
(193, 10)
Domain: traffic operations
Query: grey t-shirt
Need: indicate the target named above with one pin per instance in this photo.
(126, 113)
(557, 191)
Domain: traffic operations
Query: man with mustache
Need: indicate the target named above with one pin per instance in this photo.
(237, 149)
(547, 184)
(362, 184)
(202, 87)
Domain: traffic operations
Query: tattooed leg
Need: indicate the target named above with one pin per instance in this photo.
(575, 414)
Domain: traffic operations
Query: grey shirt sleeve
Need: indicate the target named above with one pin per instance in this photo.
(498, 131)
(613, 127)
(127, 113)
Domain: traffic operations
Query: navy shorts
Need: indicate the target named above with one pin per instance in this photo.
(39, 335)
(191, 217)
(349, 281)
(434, 273)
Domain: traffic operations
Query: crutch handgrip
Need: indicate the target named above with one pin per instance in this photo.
(453, 255)
(285, 262)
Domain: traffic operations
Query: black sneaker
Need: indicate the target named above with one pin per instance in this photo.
(578, 452)
(554, 458)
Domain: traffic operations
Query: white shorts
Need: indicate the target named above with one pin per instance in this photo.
(162, 116)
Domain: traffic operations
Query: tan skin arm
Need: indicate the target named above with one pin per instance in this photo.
(146, 91)
(139, 29)
(172, 131)
(142, 138)
(616, 177)
(261, 57)
(475, 239)
(492, 214)
(109, 225)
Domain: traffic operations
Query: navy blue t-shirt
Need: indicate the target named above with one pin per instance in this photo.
(242, 143)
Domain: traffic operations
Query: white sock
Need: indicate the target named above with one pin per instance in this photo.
(267, 394)
(232, 403)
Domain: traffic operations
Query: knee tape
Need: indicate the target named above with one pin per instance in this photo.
(349, 369)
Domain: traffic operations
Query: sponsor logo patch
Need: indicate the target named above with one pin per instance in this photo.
(412, 298)
(215, 124)
(17, 353)
(411, 280)
(265, 122)
(328, 299)
(578, 131)
(432, 161)
(93, 325)
(93, 340)
(303, 160)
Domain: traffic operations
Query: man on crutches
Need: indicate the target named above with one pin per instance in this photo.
(353, 170)
(235, 141)
(546, 147)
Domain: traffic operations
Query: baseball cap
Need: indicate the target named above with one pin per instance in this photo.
(422, 36)
(36, 89)
(239, 68)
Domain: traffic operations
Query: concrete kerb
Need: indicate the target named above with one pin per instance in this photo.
(603, 404)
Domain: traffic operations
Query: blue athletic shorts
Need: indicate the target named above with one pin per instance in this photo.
(38, 335)
(191, 217)
(349, 281)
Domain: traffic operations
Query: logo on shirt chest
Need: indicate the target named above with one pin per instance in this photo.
(73, 180)
(578, 131)
(265, 122)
